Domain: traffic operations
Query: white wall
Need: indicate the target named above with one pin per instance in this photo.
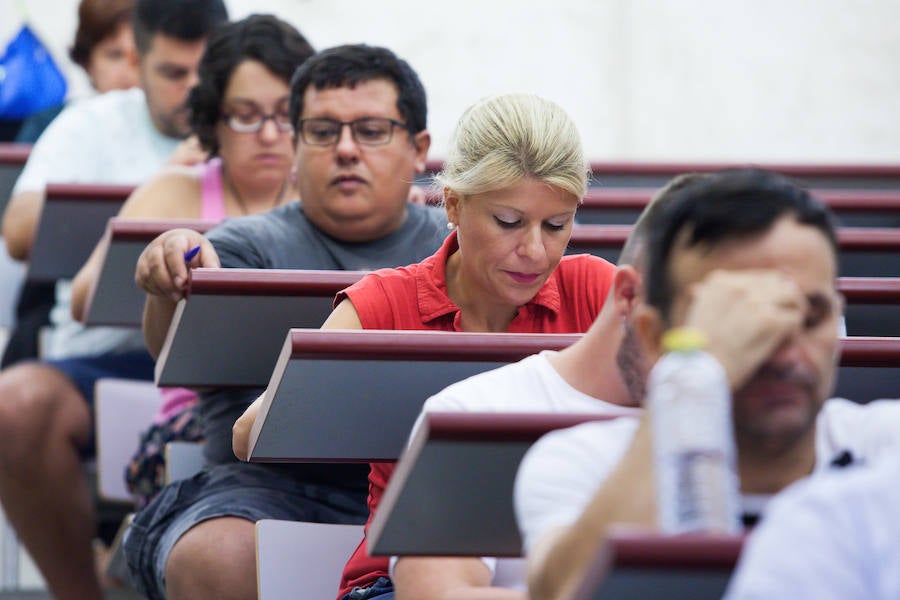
(761, 80)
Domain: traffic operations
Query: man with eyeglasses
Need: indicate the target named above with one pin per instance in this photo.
(359, 118)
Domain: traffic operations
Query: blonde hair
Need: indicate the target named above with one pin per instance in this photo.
(502, 139)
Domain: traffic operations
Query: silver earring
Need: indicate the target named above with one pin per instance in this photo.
(450, 225)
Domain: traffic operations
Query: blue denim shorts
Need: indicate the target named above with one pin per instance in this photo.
(382, 589)
(248, 491)
(84, 371)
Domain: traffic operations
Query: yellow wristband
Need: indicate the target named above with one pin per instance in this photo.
(683, 339)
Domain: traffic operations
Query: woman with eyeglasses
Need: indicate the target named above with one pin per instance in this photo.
(239, 113)
(512, 182)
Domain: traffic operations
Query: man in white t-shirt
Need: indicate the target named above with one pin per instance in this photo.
(46, 426)
(830, 537)
(750, 261)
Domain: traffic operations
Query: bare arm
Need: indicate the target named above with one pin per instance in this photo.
(429, 578)
(557, 563)
(162, 273)
(173, 194)
(20, 223)
(344, 316)
(240, 431)
(744, 315)
(84, 280)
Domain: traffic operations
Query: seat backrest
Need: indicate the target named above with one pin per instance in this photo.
(12, 274)
(295, 559)
(72, 221)
(123, 408)
(639, 564)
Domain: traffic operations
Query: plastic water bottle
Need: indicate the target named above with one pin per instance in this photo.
(693, 439)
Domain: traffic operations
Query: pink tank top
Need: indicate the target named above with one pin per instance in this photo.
(212, 194)
(212, 208)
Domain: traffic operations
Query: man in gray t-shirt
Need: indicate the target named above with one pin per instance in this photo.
(197, 538)
(286, 239)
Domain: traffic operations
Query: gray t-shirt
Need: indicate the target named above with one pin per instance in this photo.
(285, 239)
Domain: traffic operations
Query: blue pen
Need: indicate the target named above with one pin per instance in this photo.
(190, 254)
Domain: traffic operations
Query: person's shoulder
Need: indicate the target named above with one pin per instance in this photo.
(842, 412)
(101, 108)
(867, 431)
(383, 294)
(390, 279)
(118, 99)
(586, 263)
(86, 124)
(839, 489)
(241, 231)
(270, 222)
(173, 193)
(584, 282)
(587, 439)
(489, 390)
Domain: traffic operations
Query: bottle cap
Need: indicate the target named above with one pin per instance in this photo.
(683, 339)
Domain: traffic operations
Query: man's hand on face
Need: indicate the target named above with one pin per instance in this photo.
(745, 315)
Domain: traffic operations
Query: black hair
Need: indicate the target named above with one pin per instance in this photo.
(277, 45)
(346, 66)
(723, 206)
(187, 20)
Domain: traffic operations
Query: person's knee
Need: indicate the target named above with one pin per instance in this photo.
(215, 559)
(37, 401)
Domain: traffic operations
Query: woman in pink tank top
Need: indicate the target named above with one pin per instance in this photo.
(245, 128)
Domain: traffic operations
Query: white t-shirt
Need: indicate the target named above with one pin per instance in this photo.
(562, 471)
(828, 537)
(530, 385)
(108, 139)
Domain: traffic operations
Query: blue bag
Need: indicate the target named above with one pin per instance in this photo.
(29, 79)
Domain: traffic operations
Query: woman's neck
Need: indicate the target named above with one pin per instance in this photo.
(254, 199)
(475, 315)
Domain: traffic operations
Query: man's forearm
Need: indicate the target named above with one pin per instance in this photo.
(158, 313)
(558, 562)
(20, 223)
(445, 578)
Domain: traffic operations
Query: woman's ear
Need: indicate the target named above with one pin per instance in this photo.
(451, 205)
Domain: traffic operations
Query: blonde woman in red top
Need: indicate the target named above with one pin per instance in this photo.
(513, 180)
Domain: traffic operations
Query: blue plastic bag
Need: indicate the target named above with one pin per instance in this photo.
(29, 79)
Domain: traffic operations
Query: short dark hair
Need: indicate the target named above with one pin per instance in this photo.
(187, 20)
(346, 66)
(277, 45)
(724, 206)
(97, 20)
(634, 252)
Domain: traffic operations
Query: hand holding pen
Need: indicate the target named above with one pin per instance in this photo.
(190, 254)
(164, 265)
